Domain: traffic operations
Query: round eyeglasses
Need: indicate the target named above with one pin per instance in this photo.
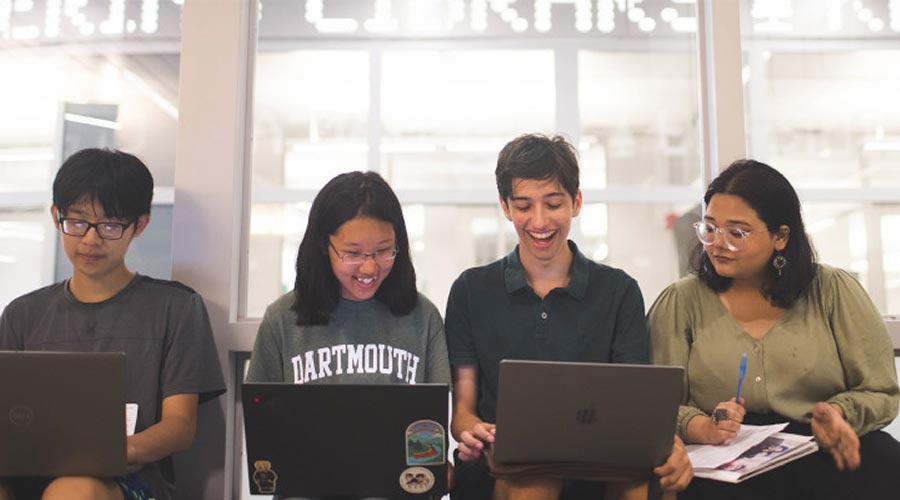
(353, 258)
(105, 230)
(735, 238)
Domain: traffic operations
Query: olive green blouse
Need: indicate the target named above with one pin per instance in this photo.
(831, 345)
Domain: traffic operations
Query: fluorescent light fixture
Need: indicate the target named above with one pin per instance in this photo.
(892, 146)
(7, 259)
(89, 120)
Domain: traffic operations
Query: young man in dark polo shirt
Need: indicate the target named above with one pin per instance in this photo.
(543, 301)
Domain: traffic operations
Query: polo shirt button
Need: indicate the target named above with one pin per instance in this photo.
(758, 379)
(544, 315)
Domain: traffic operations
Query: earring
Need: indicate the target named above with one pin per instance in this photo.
(778, 262)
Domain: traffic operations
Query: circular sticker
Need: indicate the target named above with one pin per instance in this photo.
(416, 480)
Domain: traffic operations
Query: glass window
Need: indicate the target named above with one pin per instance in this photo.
(447, 114)
(345, 89)
(82, 74)
(310, 117)
(821, 106)
(639, 118)
(26, 252)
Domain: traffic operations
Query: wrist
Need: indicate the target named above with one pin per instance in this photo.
(839, 408)
(699, 429)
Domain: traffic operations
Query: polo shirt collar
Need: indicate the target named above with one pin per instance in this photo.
(514, 273)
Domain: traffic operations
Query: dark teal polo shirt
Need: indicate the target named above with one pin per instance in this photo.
(494, 314)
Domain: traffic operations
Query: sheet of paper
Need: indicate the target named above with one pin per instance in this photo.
(131, 411)
(704, 456)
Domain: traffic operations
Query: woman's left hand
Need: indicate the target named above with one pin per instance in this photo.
(836, 435)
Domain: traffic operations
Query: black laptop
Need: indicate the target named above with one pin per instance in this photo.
(62, 414)
(616, 415)
(355, 440)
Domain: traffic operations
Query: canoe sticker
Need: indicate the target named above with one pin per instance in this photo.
(425, 443)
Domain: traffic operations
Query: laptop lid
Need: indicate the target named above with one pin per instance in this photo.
(613, 414)
(62, 414)
(359, 440)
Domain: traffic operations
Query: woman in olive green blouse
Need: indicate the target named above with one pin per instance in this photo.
(818, 354)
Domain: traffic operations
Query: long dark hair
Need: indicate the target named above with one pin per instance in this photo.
(773, 198)
(350, 195)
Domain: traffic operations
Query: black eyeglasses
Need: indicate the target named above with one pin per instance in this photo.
(105, 230)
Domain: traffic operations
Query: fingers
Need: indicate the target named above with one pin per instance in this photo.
(471, 443)
(836, 435)
(677, 472)
(468, 452)
(484, 432)
(736, 411)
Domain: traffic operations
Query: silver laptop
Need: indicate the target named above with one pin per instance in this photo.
(62, 414)
(611, 414)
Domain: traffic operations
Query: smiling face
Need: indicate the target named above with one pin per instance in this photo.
(362, 235)
(93, 258)
(752, 260)
(542, 213)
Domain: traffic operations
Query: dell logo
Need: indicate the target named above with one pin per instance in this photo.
(586, 416)
(21, 415)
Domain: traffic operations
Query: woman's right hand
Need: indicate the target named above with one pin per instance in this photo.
(712, 430)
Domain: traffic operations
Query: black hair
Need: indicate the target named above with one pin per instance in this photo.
(776, 203)
(537, 156)
(118, 181)
(316, 288)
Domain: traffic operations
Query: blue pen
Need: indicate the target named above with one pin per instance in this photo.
(741, 373)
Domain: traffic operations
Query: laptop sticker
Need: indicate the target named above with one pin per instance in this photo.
(416, 480)
(265, 477)
(425, 443)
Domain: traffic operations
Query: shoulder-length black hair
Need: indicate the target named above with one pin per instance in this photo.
(350, 195)
(776, 203)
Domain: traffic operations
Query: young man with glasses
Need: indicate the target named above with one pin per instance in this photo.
(101, 202)
(543, 301)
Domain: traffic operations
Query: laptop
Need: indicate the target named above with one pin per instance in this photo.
(62, 414)
(355, 440)
(616, 415)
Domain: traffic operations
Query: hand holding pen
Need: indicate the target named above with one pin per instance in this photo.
(726, 418)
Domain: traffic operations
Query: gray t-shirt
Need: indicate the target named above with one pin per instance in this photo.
(161, 326)
(363, 343)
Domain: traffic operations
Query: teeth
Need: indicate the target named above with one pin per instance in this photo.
(365, 281)
(542, 236)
